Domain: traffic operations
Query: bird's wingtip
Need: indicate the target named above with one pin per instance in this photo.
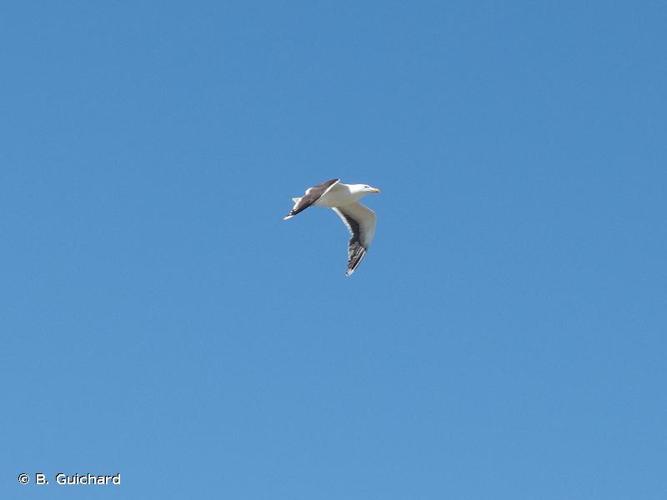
(287, 217)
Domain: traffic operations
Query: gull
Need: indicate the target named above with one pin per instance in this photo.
(344, 200)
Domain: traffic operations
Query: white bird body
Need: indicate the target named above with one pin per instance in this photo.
(340, 194)
(344, 200)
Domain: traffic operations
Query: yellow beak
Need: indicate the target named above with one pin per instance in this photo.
(376, 190)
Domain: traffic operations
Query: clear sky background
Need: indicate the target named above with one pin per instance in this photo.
(503, 339)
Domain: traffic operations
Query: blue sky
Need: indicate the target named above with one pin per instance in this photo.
(505, 336)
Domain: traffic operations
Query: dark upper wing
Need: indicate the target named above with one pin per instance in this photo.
(312, 195)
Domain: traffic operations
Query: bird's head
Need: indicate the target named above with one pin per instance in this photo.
(366, 189)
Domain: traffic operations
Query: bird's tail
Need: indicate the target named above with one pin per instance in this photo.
(291, 212)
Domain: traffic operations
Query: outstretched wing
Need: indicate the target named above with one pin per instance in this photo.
(360, 221)
(312, 195)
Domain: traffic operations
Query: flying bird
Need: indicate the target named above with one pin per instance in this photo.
(344, 200)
